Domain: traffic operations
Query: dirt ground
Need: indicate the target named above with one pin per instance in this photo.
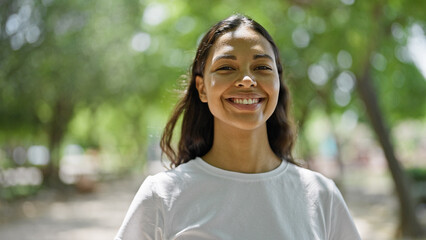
(91, 216)
(98, 215)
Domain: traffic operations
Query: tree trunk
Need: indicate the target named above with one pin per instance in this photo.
(63, 111)
(409, 224)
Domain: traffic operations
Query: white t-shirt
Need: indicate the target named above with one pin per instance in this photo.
(199, 201)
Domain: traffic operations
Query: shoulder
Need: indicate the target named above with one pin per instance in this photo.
(311, 181)
(172, 181)
(323, 193)
(309, 176)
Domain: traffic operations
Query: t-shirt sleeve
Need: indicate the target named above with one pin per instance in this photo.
(143, 220)
(341, 225)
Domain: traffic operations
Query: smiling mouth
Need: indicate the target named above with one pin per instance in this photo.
(245, 101)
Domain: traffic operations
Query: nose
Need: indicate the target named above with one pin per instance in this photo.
(246, 82)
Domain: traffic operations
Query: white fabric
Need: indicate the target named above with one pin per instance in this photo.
(199, 201)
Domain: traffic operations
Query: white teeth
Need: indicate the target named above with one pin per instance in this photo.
(245, 100)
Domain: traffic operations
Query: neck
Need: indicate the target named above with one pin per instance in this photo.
(246, 151)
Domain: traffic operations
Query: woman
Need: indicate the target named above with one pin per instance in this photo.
(234, 175)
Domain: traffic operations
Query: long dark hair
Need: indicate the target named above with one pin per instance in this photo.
(196, 137)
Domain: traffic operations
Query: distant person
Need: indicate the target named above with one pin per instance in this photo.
(234, 176)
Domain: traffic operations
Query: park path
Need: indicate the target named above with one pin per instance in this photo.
(88, 216)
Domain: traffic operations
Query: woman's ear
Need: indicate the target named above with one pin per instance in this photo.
(199, 83)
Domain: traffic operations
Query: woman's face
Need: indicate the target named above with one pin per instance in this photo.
(241, 82)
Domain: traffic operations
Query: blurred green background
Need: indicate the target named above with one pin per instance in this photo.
(86, 88)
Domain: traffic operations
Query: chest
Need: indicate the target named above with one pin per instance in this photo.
(246, 211)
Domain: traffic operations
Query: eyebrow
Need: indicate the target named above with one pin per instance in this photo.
(257, 56)
(262, 56)
(224, 57)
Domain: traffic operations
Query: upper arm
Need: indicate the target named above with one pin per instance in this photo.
(341, 225)
(144, 218)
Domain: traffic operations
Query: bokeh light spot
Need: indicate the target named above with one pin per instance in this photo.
(344, 59)
(185, 24)
(300, 37)
(348, 120)
(12, 24)
(154, 14)
(346, 81)
(32, 34)
(38, 155)
(296, 14)
(317, 74)
(17, 41)
(342, 98)
(141, 42)
(348, 2)
(378, 61)
(398, 32)
(19, 155)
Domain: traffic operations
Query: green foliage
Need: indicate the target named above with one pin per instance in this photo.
(83, 71)
(19, 191)
(417, 174)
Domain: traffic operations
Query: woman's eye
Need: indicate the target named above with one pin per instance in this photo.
(263, 68)
(225, 68)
